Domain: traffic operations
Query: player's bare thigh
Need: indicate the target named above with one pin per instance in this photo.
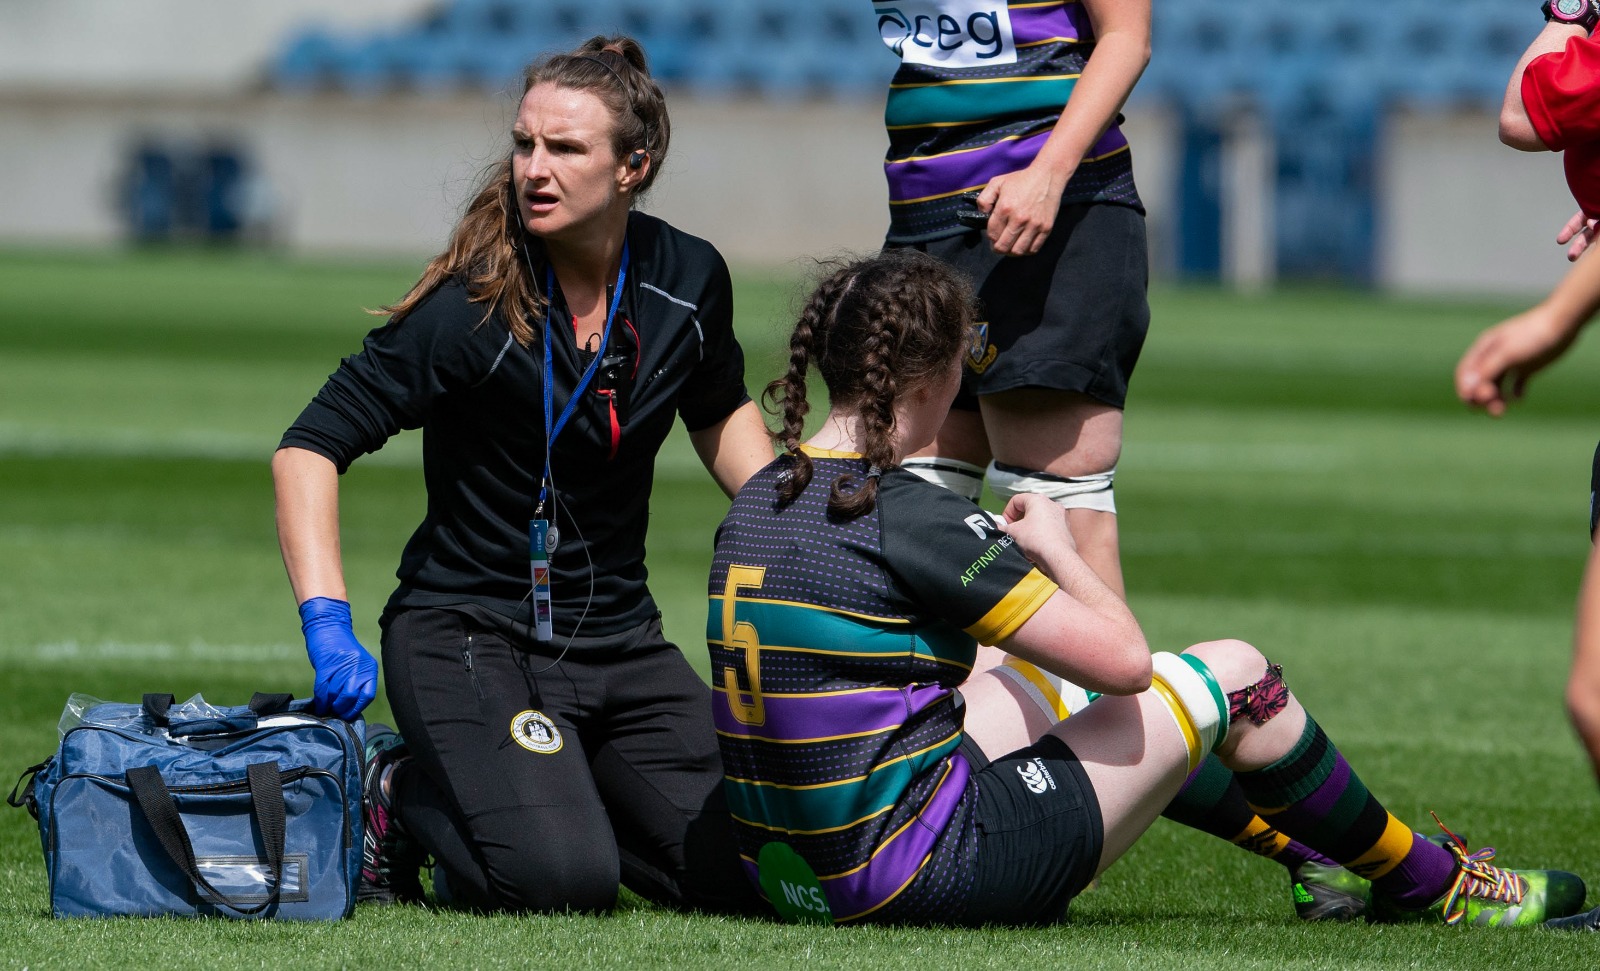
(1060, 432)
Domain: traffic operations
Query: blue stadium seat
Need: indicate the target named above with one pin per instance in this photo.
(371, 66)
(308, 63)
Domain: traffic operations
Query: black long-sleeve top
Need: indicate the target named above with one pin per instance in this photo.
(478, 397)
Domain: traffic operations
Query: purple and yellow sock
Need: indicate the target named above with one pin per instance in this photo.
(1313, 795)
(1212, 802)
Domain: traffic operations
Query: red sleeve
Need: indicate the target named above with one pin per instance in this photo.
(1561, 92)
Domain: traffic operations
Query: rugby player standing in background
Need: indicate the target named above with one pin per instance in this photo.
(1006, 162)
(1552, 103)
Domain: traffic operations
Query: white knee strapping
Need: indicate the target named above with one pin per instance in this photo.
(1195, 699)
(962, 478)
(1056, 697)
(1071, 492)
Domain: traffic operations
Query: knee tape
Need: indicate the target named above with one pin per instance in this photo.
(1055, 696)
(962, 478)
(1070, 492)
(1195, 699)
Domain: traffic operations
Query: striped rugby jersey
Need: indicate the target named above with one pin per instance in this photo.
(980, 86)
(835, 648)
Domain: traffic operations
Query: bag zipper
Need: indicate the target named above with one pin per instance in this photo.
(214, 788)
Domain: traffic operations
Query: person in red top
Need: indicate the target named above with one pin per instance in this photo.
(1552, 104)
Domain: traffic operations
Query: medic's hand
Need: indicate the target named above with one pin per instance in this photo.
(347, 676)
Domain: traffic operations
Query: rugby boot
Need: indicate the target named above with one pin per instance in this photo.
(391, 861)
(1323, 892)
(1485, 895)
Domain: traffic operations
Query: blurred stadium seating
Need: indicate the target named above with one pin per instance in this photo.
(1322, 78)
(1279, 55)
(776, 50)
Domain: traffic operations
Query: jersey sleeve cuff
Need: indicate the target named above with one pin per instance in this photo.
(1014, 608)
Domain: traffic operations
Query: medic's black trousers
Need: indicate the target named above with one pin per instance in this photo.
(537, 786)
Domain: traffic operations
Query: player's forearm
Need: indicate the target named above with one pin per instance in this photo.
(1081, 583)
(1576, 298)
(1516, 129)
(735, 448)
(306, 487)
(1108, 78)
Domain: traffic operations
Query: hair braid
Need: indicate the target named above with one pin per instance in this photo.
(875, 329)
(787, 395)
(853, 495)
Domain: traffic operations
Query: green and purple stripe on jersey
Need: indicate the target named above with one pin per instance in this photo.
(956, 123)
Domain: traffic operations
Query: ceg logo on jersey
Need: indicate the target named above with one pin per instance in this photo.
(947, 33)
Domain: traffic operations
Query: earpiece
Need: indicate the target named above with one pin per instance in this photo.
(636, 160)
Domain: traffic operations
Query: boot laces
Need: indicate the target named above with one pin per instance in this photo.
(1477, 878)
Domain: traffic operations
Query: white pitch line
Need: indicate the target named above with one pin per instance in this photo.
(1265, 456)
(59, 651)
(182, 444)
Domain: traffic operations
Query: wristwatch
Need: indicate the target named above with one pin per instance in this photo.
(1578, 13)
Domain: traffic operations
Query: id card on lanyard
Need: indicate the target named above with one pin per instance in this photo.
(543, 537)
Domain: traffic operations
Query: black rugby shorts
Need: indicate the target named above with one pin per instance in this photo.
(1072, 317)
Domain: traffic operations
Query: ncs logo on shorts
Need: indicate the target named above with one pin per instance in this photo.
(947, 33)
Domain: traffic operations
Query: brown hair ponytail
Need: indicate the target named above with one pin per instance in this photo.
(876, 329)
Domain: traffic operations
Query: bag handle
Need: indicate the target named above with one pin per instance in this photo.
(267, 809)
(264, 704)
(22, 793)
(156, 705)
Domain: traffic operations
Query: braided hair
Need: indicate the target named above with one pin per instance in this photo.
(876, 329)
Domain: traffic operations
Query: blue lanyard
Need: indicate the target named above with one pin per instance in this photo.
(551, 430)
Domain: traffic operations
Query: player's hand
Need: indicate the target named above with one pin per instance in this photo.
(1509, 354)
(1022, 209)
(1580, 232)
(1038, 525)
(347, 676)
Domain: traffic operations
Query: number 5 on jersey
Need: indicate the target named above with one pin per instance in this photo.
(742, 636)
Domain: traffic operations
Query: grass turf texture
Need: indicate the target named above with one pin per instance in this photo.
(1296, 473)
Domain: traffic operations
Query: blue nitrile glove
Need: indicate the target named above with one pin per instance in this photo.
(347, 676)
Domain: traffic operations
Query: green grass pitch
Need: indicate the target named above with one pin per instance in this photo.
(1296, 473)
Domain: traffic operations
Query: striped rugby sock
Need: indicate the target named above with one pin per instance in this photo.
(1313, 795)
(1212, 802)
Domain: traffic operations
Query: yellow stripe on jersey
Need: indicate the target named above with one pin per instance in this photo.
(907, 757)
(813, 832)
(956, 81)
(716, 598)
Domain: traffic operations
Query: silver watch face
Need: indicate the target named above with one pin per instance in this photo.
(1569, 9)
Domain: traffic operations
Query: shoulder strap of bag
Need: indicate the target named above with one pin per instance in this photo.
(266, 809)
